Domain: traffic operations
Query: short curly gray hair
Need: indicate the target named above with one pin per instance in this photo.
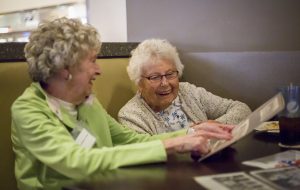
(147, 52)
(59, 44)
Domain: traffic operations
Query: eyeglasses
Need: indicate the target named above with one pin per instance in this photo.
(158, 78)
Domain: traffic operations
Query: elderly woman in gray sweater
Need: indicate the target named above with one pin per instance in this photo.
(163, 104)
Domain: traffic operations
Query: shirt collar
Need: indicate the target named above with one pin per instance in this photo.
(65, 111)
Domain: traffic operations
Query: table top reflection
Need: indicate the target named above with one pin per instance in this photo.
(179, 171)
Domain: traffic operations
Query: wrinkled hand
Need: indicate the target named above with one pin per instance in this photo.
(214, 129)
(211, 130)
(198, 142)
(187, 143)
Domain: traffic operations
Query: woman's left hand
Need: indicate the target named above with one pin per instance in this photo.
(214, 129)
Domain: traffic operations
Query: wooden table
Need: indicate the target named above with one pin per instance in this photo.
(178, 171)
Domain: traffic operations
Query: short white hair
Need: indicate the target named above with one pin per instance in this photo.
(148, 52)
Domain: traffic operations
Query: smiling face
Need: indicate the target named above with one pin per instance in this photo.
(159, 95)
(83, 76)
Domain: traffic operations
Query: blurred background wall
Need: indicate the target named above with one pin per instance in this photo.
(240, 49)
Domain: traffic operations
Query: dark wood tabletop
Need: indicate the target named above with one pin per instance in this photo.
(178, 172)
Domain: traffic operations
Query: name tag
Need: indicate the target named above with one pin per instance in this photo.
(85, 139)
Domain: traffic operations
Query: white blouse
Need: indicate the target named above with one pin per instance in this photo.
(174, 116)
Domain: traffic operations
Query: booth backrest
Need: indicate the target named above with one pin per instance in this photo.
(113, 89)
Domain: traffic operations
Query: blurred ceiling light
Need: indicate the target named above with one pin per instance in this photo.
(4, 30)
(3, 40)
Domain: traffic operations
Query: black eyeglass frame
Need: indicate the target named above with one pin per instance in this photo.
(158, 78)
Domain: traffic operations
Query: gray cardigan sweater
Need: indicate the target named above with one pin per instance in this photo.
(197, 103)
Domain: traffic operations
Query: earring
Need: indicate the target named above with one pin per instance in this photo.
(140, 92)
(69, 77)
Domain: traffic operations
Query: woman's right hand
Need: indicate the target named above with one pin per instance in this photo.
(187, 143)
(198, 141)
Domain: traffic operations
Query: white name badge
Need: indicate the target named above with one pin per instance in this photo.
(85, 139)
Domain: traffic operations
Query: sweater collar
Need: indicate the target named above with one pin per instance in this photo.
(59, 108)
